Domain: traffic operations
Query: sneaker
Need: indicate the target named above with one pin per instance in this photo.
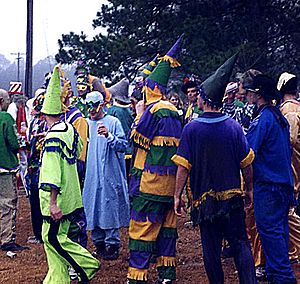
(13, 247)
(72, 273)
(111, 252)
(164, 281)
(33, 240)
(260, 273)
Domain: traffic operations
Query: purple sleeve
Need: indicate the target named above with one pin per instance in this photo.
(183, 156)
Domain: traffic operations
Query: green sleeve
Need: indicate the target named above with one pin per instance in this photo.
(11, 137)
(51, 171)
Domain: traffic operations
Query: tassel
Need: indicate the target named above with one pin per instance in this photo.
(137, 274)
(166, 261)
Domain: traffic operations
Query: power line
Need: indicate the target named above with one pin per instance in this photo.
(18, 58)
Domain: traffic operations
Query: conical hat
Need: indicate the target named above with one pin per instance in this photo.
(156, 83)
(213, 88)
(52, 104)
(119, 90)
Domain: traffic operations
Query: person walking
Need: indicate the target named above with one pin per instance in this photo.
(213, 150)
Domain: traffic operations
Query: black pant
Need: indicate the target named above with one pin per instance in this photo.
(233, 229)
(36, 215)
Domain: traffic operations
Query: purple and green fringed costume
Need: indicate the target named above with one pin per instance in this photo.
(153, 222)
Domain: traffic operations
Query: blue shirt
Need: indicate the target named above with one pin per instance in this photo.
(270, 142)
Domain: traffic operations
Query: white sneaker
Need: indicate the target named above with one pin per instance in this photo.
(72, 273)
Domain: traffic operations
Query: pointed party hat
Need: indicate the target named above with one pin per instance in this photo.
(156, 83)
(149, 67)
(52, 104)
(119, 90)
(213, 88)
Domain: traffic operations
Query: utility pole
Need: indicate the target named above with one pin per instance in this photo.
(29, 44)
(18, 63)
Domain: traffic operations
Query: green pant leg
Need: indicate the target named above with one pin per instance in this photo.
(57, 265)
(74, 254)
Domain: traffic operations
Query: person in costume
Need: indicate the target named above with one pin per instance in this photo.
(290, 108)
(231, 104)
(217, 203)
(60, 195)
(86, 83)
(190, 89)
(37, 132)
(268, 136)
(9, 166)
(121, 109)
(156, 135)
(105, 193)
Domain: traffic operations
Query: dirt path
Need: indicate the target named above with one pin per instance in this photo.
(30, 266)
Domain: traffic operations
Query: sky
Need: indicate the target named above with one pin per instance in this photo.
(51, 19)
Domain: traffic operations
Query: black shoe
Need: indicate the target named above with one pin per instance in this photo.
(111, 252)
(100, 249)
(227, 252)
(13, 247)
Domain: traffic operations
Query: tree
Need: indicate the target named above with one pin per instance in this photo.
(266, 32)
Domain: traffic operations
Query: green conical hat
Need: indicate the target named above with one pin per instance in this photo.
(52, 104)
(160, 75)
(213, 88)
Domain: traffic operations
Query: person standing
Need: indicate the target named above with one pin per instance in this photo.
(60, 195)
(156, 135)
(121, 109)
(290, 108)
(213, 150)
(269, 137)
(37, 132)
(9, 165)
(190, 89)
(105, 192)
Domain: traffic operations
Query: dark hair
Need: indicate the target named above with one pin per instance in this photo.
(188, 85)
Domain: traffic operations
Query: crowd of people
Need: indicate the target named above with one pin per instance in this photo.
(100, 159)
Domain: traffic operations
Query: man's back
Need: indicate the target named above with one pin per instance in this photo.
(217, 147)
(8, 142)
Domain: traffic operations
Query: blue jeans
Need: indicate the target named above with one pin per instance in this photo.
(271, 207)
(107, 236)
(233, 229)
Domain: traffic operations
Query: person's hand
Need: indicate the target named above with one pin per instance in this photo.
(248, 199)
(55, 212)
(179, 206)
(140, 107)
(102, 130)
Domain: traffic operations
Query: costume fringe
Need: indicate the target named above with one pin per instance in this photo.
(165, 141)
(165, 261)
(160, 170)
(221, 195)
(140, 139)
(248, 160)
(142, 245)
(158, 198)
(173, 61)
(137, 274)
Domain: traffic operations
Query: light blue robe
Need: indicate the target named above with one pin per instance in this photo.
(105, 193)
